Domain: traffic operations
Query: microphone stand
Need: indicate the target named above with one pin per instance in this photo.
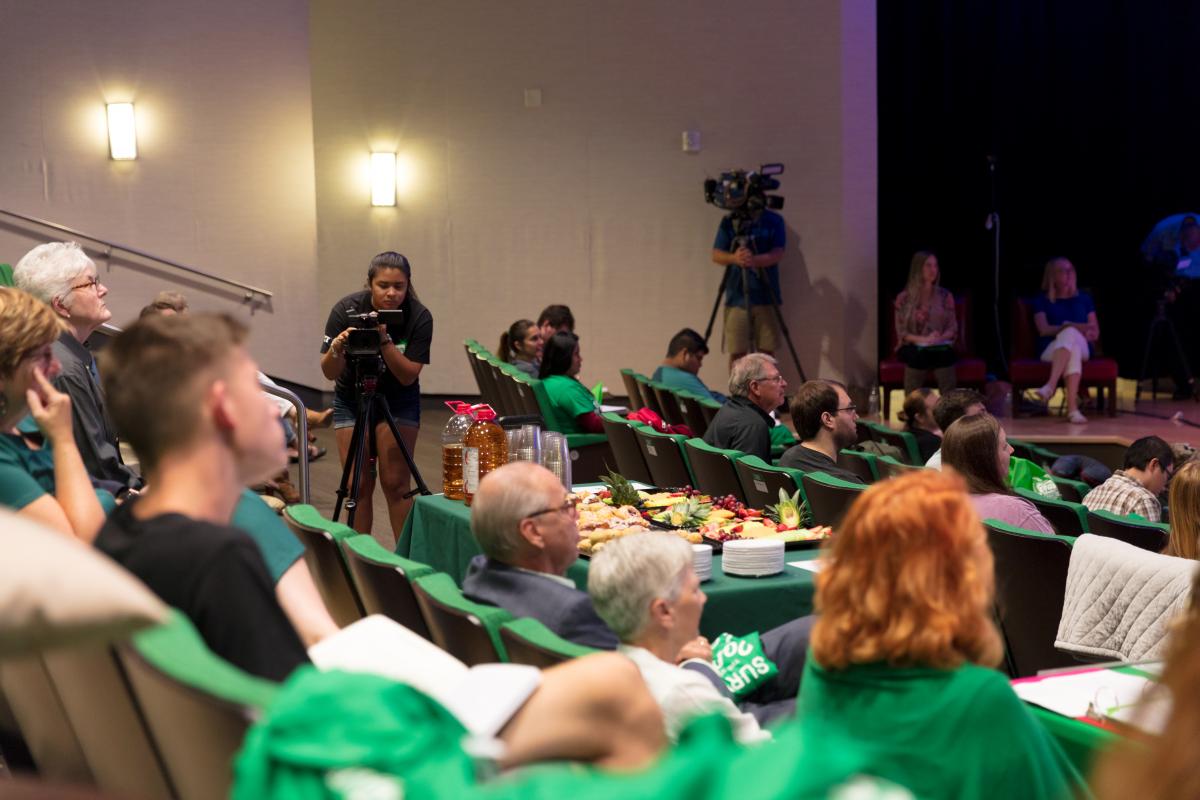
(993, 224)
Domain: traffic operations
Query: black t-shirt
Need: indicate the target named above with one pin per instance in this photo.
(414, 339)
(215, 575)
(807, 459)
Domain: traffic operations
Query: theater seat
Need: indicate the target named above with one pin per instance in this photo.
(528, 641)
(384, 582)
(467, 630)
(324, 558)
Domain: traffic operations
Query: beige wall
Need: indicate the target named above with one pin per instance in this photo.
(588, 200)
(224, 179)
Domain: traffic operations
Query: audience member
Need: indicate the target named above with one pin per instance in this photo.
(1161, 766)
(904, 651)
(1135, 488)
(41, 475)
(917, 416)
(1184, 502)
(645, 588)
(62, 276)
(572, 407)
(680, 371)
(1067, 327)
(926, 326)
(825, 421)
(977, 448)
(167, 303)
(744, 423)
(951, 406)
(555, 319)
(521, 346)
(405, 349)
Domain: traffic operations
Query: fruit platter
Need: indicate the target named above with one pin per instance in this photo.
(619, 509)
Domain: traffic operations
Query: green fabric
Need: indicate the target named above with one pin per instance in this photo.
(309, 516)
(438, 533)
(1080, 741)
(1004, 527)
(6, 275)
(568, 398)
(334, 734)
(781, 437)
(1079, 486)
(176, 649)
(279, 547)
(912, 452)
(1133, 520)
(1079, 509)
(833, 480)
(1022, 473)
(577, 440)
(700, 444)
(741, 663)
(533, 631)
(27, 474)
(444, 589)
(365, 546)
(960, 733)
(670, 440)
(870, 458)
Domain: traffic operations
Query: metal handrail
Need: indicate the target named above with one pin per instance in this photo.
(251, 291)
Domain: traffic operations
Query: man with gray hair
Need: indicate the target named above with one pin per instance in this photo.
(524, 522)
(744, 423)
(62, 276)
(645, 587)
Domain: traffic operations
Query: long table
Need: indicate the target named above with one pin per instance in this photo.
(438, 533)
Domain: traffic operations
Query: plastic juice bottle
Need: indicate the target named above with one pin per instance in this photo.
(452, 448)
(485, 447)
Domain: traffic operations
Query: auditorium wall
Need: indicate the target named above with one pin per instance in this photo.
(224, 178)
(588, 199)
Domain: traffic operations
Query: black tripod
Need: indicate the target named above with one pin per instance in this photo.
(362, 440)
(1163, 322)
(741, 239)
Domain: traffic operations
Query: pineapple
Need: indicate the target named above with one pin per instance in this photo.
(689, 513)
(790, 511)
(623, 493)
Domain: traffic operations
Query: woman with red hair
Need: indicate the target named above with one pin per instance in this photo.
(904, 651)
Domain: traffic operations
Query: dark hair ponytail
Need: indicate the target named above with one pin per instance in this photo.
(515, 333)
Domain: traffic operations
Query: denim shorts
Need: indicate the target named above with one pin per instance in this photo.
(407, 412)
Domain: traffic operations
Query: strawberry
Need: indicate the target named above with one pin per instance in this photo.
(736, 529)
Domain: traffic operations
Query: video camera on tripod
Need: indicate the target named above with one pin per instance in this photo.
(744, 193)
(363, 340)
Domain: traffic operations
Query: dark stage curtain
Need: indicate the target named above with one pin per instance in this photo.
(1092, 111)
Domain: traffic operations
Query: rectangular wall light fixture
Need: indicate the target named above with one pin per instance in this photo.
(383, 179)
(122, 132)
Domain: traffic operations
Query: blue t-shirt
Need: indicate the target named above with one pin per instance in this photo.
(683, 381)
(766, 234)
(1188, 265)
(1069, 309)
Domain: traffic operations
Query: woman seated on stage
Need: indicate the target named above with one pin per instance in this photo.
(42, 476)
(918, 420)
(573, 409)
(977, 449)
(926, 326)
(904, 651)
(521, 346)
(1066, 324)
(1184, 506)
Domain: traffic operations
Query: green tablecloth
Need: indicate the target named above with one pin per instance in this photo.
(438, 533)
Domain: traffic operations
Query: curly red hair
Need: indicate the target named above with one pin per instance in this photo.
(908, 580)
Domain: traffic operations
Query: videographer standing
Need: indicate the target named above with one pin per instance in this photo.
(759, 244)
(405, 350)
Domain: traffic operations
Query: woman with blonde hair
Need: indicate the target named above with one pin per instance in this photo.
(1067, 327)
(1184, 505)
(42, 476)
(926, 326)
(904, 650)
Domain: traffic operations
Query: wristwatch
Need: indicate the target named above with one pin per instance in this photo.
(386, 340)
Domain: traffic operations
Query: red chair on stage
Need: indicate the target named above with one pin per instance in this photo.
(969, 370)
(1027, 371)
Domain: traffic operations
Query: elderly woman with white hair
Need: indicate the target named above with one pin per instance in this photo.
(645, 588)
(61, 275)
(744, 423)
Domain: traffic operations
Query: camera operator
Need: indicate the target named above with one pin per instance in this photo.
(759, 244)
(404, 349)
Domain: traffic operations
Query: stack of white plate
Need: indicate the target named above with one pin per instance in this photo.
(753, 557)
(702, 561)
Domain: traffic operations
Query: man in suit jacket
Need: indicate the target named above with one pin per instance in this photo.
(525, 524)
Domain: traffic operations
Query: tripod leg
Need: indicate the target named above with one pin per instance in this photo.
(783, 328)
(752, 339)
(357, 456)
(717, 303)
(1150, 335)
(408, 459)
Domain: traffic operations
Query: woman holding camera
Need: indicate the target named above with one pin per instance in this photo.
(404, 348)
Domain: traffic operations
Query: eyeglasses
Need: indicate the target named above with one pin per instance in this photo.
(567, 507)
(850, 407)
(94, 283)
(776, 378)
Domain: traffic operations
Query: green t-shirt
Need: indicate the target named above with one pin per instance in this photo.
(960, 733)
(279, 547)
(568, 399)
(27, 474)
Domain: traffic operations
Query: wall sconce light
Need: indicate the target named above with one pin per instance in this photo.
(383, 179)
(122, 132)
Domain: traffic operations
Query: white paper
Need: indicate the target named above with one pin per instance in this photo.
(613, 409)
(812, 566)
(1070, 695)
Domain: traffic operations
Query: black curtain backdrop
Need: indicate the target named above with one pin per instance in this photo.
(1092, 111)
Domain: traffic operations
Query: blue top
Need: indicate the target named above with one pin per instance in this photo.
(766, 233)
(681, 380)
(1069, 309)
(1188, 265)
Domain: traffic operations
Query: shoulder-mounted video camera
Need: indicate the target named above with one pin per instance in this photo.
(745, 193)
